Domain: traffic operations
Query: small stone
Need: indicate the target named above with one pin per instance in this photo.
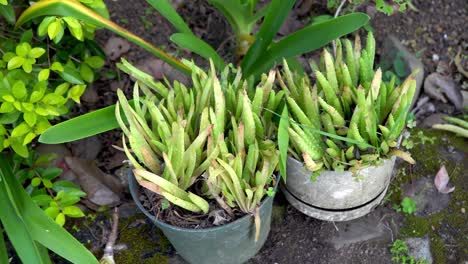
(430, 41)
(90, 95)
(115, 47)
(463, 210)
(122, 175)
(128, 210)
(419, 248)
(426, 196)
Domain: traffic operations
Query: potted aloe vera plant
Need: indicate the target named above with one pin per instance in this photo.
(344, 133)
(207, 150)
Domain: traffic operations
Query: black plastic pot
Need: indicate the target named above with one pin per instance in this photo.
(230, 243)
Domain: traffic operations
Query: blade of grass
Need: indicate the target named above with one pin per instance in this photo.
(283, 141)
(323, 133)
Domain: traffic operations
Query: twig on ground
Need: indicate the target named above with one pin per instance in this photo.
(336, 227)
(387, 226)
(108, 257)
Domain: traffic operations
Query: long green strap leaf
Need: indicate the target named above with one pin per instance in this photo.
(75, 9)
(308, 39)
(277, 12)
(83, 126)
(166, 10)
(8, 13)
(198, 46)
(38, 225)
(3, 250)
(15, 227)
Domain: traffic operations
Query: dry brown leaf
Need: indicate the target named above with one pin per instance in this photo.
(458, 63)
(89, 177)
(440, 87)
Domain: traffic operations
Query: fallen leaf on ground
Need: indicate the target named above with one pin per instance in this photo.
(441, 181)
(458, 63)
(443, 88)
(98, 185)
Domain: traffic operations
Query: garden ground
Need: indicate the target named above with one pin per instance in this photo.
(436, 33)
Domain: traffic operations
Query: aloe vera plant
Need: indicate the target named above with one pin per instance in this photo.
(248, 157)
(214, 131)
(168, 151)
(349, 118)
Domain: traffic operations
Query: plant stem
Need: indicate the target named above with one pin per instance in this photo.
(108, 256)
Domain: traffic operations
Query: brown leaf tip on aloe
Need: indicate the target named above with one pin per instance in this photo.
(212, 131)
(350, 118)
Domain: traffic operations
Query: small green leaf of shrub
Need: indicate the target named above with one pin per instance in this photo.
(35, 85)
(73, 211)
(408, 206)
(60, 219)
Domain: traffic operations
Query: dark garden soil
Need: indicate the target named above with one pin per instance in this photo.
(437, 32)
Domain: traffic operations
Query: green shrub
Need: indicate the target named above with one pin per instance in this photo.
(40, 80)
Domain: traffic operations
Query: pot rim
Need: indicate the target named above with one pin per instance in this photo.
(133, 185)
(290, 157)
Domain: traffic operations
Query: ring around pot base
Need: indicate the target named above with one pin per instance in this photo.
(335, 215)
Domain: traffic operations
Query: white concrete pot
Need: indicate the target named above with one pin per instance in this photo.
(336, 196)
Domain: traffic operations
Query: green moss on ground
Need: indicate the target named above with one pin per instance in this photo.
(438, 249)
(142, 240)
(430, 156)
